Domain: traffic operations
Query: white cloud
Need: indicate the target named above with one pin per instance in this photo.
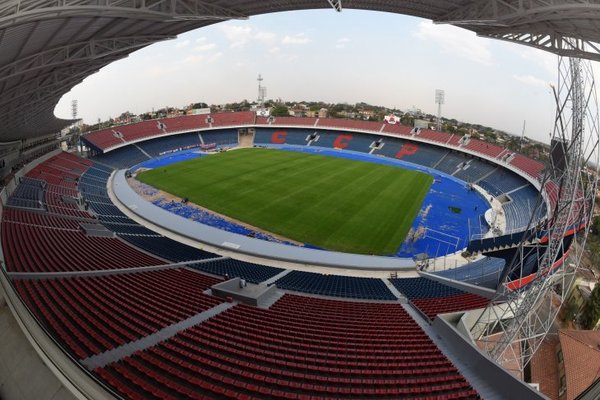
(201, 39)
(181, 45)
(274, 50)
(237, 35)
(456, 41)
(215, 57)
(194, 59)
(264, 36)
(531, 80)
(341, 43)
(205, 47)
(299, 38)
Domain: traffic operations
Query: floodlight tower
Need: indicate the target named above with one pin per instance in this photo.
(439, 100)
(515, 323)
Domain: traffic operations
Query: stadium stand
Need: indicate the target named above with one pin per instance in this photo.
(416, 153)
(474, 170)
(295, 137)
(501, 181)
(450, 162)
(122, 157)
(221, 137)
(347, 349)
(335, 285)
(254, 273)
(488, 149)
(287, 121)
(530, 167)
(35, 248)
(350, 124)
(159, 146)
(440, 137)
(397, 129)
(233, 119)
(166, 248)
(433, 298)
(518, 211)
(92, 315)
(185, 123)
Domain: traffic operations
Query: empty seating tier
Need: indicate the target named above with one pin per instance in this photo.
(251, 272)
(434, 298)
(336, 285)
(92, 315)
(301, 348)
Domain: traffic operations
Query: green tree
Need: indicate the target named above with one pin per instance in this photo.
(280, 111)
(591, 311)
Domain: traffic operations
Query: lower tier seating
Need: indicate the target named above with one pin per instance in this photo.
(301, 348)
(336, 285)
(251, 272)
(434, 298)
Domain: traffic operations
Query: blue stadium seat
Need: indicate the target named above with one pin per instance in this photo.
(336, 285)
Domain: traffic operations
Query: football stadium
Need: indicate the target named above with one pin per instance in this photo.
(248, 256)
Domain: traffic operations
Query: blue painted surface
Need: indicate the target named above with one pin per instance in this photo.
(436, 230)
(169, 159)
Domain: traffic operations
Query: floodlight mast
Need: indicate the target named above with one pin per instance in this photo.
(515, 323)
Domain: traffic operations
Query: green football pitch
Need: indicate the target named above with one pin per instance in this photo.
(329, 202)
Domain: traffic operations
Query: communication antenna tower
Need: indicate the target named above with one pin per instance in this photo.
(74, 109)
(439, 100)
(262, 92)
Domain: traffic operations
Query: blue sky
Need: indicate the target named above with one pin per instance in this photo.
(385, 59)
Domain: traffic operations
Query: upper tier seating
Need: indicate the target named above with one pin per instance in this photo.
(185, 123)
(488, 149)
(440, 137)
(300, 347)
(36, 248)
(398, 129)
(336, 285)
(92, 315)
(287, 121)
(233, 118)
(351, 124)
(530, 167)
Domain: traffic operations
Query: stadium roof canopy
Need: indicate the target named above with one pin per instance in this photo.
(49, 46)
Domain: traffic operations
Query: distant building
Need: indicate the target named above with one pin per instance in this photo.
(323, 113)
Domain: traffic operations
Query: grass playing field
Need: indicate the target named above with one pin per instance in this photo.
(329, 202)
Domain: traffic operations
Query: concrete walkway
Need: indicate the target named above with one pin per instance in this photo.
(104, 272)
